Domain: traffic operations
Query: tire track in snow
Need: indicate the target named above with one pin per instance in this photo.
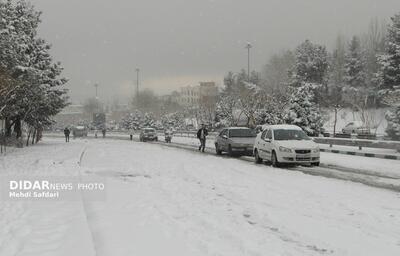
(84, 204)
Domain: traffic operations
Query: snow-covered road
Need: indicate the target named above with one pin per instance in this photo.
(167, 201)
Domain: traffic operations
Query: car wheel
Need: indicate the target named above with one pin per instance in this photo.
(217, 150)
(315, 164)
(274, 160)
(230, 152)
(257, 158)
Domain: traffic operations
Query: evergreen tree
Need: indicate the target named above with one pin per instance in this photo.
(303, 111)
(390, 62)
(311, 64)
(393, 116)
(309, 79)
(389, 77)
(355, 76)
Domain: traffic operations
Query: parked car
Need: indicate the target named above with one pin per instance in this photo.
(239, 140)
(288, 144)
(79, 131)
(147, 134)
(356, 127)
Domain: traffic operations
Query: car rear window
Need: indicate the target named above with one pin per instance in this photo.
(149, 130)
(234, 133)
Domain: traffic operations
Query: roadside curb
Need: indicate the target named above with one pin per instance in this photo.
(353, 153)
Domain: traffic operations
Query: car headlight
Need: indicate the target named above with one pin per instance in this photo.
(286, 150)
(315, 150)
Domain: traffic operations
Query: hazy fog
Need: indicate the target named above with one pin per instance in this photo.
(181, 42)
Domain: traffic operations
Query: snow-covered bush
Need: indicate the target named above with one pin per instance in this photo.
(393, 118)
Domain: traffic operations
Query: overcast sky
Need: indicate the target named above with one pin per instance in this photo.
(181, 42)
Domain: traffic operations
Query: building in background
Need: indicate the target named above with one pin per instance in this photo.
(71, 115)
(189, 96)
(198, 95)
(208, 93)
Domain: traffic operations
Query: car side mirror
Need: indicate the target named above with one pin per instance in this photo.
(267, 140)
(224, 136)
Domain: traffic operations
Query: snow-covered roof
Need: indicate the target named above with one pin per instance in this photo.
(237, 127)
(282, 126)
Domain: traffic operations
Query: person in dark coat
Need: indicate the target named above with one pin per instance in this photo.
(66, 134)
(202, 134)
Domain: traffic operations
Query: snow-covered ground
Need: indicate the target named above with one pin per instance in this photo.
(166, 201)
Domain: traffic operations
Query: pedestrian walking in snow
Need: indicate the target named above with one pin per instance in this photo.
(66, 134)
(202, 134)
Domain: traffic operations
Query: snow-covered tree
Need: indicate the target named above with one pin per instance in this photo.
(137, 120)
(239, 98)
(35, 92)
(174, 120)
(393, 116)
(333, 97)
(389, 77)
(272, 108)
(355, 76)
(275, 72)
(311, 64)
(390, 61)
(309, 77)
(373, 42)
(303, 111)
(225, 111)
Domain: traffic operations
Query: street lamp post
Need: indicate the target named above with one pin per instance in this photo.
(96, 86)
(248, 47)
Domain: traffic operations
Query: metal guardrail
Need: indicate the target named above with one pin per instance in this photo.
(354, 142)
(360, 143)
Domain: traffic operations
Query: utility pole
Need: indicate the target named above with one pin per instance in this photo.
(248, 47)
(96, 86)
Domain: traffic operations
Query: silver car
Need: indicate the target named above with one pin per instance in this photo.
(235, 140)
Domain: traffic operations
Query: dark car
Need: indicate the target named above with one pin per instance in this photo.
(79, 131)
(235, 140)
(148, 134)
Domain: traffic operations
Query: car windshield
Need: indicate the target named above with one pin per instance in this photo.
(234, 133)
(149, 130)
(282, 134)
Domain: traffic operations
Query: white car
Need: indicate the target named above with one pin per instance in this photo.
(356, 127)
(288, 144)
